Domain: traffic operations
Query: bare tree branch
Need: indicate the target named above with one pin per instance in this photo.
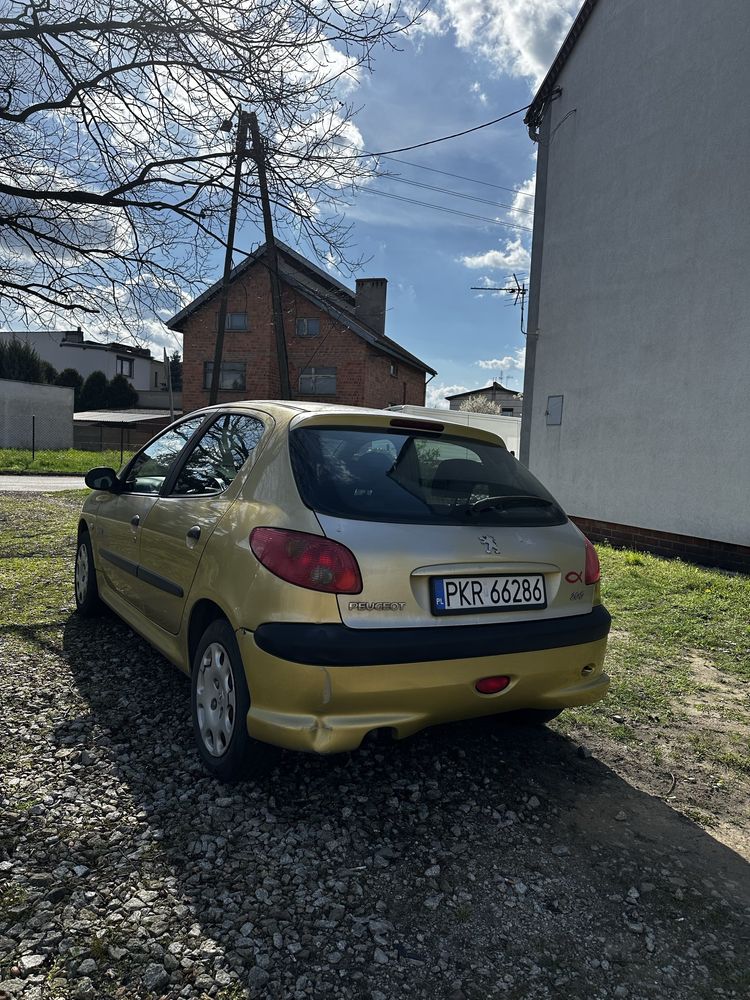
(114, 174)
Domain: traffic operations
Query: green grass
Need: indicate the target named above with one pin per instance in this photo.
(679, 658)
(69, 461)
(672, 605)
(37, 545)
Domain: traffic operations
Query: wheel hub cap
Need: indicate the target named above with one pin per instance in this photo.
(215, 699)
(82, 573)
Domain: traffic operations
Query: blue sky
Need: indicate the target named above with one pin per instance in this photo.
(434, 88)
(470, 61)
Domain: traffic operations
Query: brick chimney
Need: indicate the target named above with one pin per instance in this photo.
(73, 336)
(370, 302)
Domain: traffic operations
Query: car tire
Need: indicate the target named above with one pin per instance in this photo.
(88, 602)
(220, 702)
(531, 716)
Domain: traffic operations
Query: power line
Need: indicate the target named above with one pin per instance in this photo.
(444, 138)
(455, 194)
(441, 208)
(405, 149)
(460, 177)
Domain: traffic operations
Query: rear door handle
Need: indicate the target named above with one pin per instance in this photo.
(194, 533)
(135, 520)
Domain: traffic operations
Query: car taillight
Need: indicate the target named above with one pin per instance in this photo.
(307, 560)
(593, 572)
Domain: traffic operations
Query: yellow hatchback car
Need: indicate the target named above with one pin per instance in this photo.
(326, 572)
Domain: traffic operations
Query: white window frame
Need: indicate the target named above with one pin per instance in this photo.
(302, 326)
(226, 368)
(233, 324)
(316, 375)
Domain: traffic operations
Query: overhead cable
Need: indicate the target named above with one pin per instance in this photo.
(460, 177)
(441, 208)
(416, 145)
(444, 138)
(455, 194)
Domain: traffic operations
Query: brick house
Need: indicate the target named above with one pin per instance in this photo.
(336, 344)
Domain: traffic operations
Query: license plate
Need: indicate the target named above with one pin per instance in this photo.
(455, 595)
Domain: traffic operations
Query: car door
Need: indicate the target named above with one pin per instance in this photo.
(180, 523)
(121, 515)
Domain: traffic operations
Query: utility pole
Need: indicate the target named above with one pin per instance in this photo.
(259, 155)
(240, 152)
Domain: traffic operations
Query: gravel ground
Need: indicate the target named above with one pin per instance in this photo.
(473, 861)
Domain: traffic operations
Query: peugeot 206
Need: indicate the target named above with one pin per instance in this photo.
(325, 572)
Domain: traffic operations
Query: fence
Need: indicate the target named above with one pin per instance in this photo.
(111, 436)
(35, 416)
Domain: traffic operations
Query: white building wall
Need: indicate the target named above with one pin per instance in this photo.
(85, 358)
(51, 408)
(644, 300)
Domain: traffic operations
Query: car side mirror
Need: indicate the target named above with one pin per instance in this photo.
(103, 479)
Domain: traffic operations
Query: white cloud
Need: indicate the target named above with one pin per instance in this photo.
(519, 37)
(435, 394)
(476, 88)
(511, 366)
(515, 257)
(507, 369)
(523, 203)
(514, 254)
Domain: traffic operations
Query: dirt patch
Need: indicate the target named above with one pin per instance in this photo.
(698, 784)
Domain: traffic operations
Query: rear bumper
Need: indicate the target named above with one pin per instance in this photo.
(340, 646)
(314, 706)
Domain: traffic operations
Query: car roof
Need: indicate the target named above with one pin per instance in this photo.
(285, 411)
(291, 408)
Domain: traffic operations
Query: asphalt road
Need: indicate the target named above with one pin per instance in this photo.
(40, 484)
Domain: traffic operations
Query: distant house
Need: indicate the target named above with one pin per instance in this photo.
(637, 384)
(509, 403)
(335, 339)
(69, 349)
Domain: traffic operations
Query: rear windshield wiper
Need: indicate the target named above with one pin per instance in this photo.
(505, 502)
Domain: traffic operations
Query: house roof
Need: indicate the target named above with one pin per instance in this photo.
(121, 416)
(319, 287)
(536, 111)
(495, 387)
(60, 338)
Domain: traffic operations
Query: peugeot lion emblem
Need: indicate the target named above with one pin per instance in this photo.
(490, 543)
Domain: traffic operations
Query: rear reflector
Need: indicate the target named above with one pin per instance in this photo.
(491, 685)
(309, 561)
(593, 572)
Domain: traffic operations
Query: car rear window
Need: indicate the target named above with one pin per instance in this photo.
(416, 477)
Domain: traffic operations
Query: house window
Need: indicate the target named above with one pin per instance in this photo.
(507, 411)
(318, 382)
(236, 321)
(231, 375)
(393, 369)
(156, 380)
(308, 327)
(125, 367)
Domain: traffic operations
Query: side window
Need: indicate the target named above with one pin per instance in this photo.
(219, 455)
(151, 466)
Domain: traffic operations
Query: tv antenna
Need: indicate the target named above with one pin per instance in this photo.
(518, 290)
